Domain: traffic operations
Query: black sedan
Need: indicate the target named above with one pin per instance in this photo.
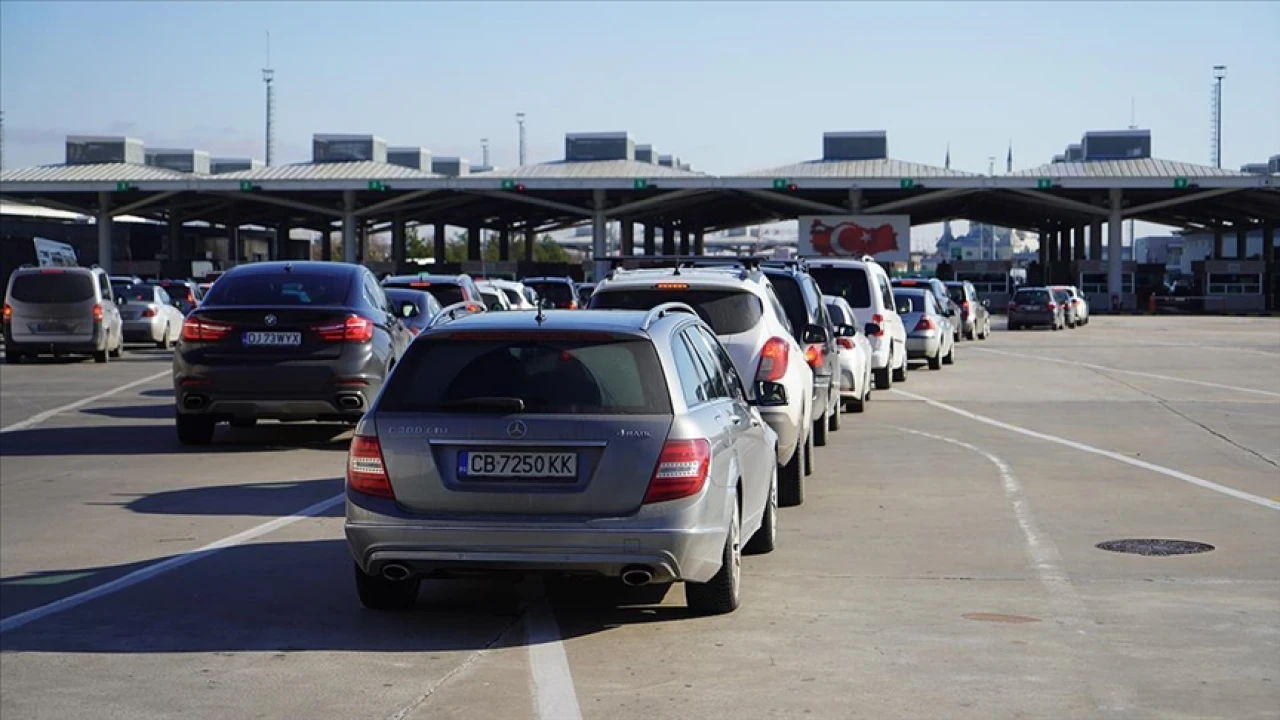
(285, 341)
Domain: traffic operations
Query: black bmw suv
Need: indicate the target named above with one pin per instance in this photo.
(284, 341)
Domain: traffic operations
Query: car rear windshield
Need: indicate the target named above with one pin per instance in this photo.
(56, 287)
(914, 299)
(957, 293)
(848, 283)
(789, 294)
(446, 292)
(141, 293)
(557, 292)
(1031, 296)
(557, 376)
(513, 296)
(728, 312)
(285, 288)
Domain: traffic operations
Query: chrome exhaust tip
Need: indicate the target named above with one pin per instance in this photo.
(350, 402)
(636, 576)
(395, 572)
(193, 402)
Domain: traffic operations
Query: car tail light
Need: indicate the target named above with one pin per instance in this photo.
(965, 306)
(366, 474)
(414, 331)
(814, 355)
(195, 329)
(354, 329)
(1013, 305)
(681, 471)
(573, 305)
(97, 313)
(878, 320)
(1053, 306)
(8, 313)
(773, 360)
(149, 312)
(926, 323)
(845, 343)
(672, 286)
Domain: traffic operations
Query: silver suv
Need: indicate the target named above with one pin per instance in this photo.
(605, 444)
(61, 310)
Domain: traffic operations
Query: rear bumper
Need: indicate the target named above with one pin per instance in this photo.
(786, 427)
(298, 391)
(143, 331)
(672, 549)
(44, 345)
(923, 347)
(1032, 318)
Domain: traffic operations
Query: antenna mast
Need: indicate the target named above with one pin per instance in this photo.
(520, 153)
(1215, 119)
(484, 151)
(268, 77)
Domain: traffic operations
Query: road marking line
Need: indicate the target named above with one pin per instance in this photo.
(41, 417)
(1176, 474)
(14, 622)
(549, 673)
(1043, 553)
(1091, 366)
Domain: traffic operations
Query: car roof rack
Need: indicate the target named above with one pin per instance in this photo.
(660, 311)
(450, 312)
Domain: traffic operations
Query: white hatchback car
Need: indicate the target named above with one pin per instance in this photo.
(855, 355)
(740, 306)
(865, 286)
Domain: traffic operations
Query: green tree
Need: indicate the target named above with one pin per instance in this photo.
(416, 246)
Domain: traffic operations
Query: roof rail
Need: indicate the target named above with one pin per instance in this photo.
(450, 312)
(660, 311)
(643, 262)
(800, 263)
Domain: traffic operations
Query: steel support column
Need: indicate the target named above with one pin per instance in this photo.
(504, 243)
(699, 244)
(1095, 240)
(650, 239)
(350, 253)
(175, 238)
(1269, 265)
(439, 242)
(399, 243)
(684, 239)
(234, 251)
(279, 243)
(1115, 243)
(599, 235)
(1242, 243)
(669, 239)
(855, 200)
(104, 231)
(530, 241)
(628, 238)
(1217, 245)
(1078, 243)
(1064, 251)
(474, 248)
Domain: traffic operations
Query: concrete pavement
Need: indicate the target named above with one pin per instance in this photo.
(942, 565)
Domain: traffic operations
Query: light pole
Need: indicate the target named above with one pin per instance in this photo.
(484, 151)
(520, 152)
(1219, 72)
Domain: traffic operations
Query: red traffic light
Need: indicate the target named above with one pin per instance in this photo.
(519, 188)
(793, 187)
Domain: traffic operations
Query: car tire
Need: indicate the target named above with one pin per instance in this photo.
(12, 358)
(118, 352)
(101, 356)
(791, 480)
(972, 334)
(900, 374)
(379, 593)
(720, 594)
(833, 415)
(163, 343)
(808, 455)
(820, 430)
(935, 362)
(950, 357)
(194, 430)
(1013, 327)
(883, 378)
(764, 541)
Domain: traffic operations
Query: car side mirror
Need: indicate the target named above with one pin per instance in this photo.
(122, 300)
(177, 304)
(814, 334)
(769, 394)
(986, 302)
(846, 331)
(408, 310)
(871, 329)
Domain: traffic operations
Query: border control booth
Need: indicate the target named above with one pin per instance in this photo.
(992, 279)
(1092, 282)
(1231, 285)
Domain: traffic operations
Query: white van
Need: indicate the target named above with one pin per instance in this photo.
(865, 286)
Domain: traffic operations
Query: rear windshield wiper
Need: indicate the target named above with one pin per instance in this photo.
(485, 404)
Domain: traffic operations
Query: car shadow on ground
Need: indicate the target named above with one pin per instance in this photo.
(283, 597)
(155, 439)
(252, 500)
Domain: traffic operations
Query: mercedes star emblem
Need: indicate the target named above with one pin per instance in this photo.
(517, 430)
(270, 320)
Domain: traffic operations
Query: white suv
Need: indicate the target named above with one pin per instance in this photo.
(865, 286)
(740, 306)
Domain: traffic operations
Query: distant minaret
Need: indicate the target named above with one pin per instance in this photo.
(947, 164)
(268, 77)
(944, 242)
(1008, 161)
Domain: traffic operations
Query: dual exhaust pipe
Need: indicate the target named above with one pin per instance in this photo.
(194, 402)
(395, 572)
(632, 575)
(350, 402)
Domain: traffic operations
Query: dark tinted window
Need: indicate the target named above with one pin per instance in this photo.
(792, 299)
(916, 300)
(513, 296)
(615, 377)
(1061, 296)
(285, 288)
(848, 283)
(957, 293)
(837, 314)
(446, 293)
(1031, 296)
(689, 372)
(559, 293)
(140, 293)
(728, 312)
(52, 287)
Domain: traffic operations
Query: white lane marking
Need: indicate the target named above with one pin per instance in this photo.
(14, 622)
(1065, 603)
(41, 417)
(1154, 376)
(1176, 474)
(549, 673)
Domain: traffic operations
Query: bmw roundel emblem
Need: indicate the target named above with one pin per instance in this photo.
(270, 320)
(517, 430)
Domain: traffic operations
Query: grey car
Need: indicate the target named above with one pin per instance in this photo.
(1032, 306)
(930, 335)
(975, 312)
(61, 311)
(616, 444)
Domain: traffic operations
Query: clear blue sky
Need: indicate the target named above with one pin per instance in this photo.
(725, 86)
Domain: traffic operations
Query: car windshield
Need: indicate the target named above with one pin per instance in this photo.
(559, 293)
(557, 376)
(285, 288)
(848, 283)
(728, 312)
(47, 287)
(1031, 296)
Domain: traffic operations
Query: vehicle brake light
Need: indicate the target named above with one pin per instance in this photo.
(878, 321)
(1013, 305)
(366, 473)
(50, 271)
(845, 343)
(354, 329)
(573, 305)
(8, 313)
(195, 329)
(965, 306)
(1053, 306)
(773, 360)
(149, 312)
(672, 286)
(926, 323)
(681, 471)
(97, 313)
(814, 355)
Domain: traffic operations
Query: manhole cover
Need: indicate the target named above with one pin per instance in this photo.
(1000, 618)
(1157, 548)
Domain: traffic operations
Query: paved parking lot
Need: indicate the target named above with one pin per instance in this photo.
(943, 566)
